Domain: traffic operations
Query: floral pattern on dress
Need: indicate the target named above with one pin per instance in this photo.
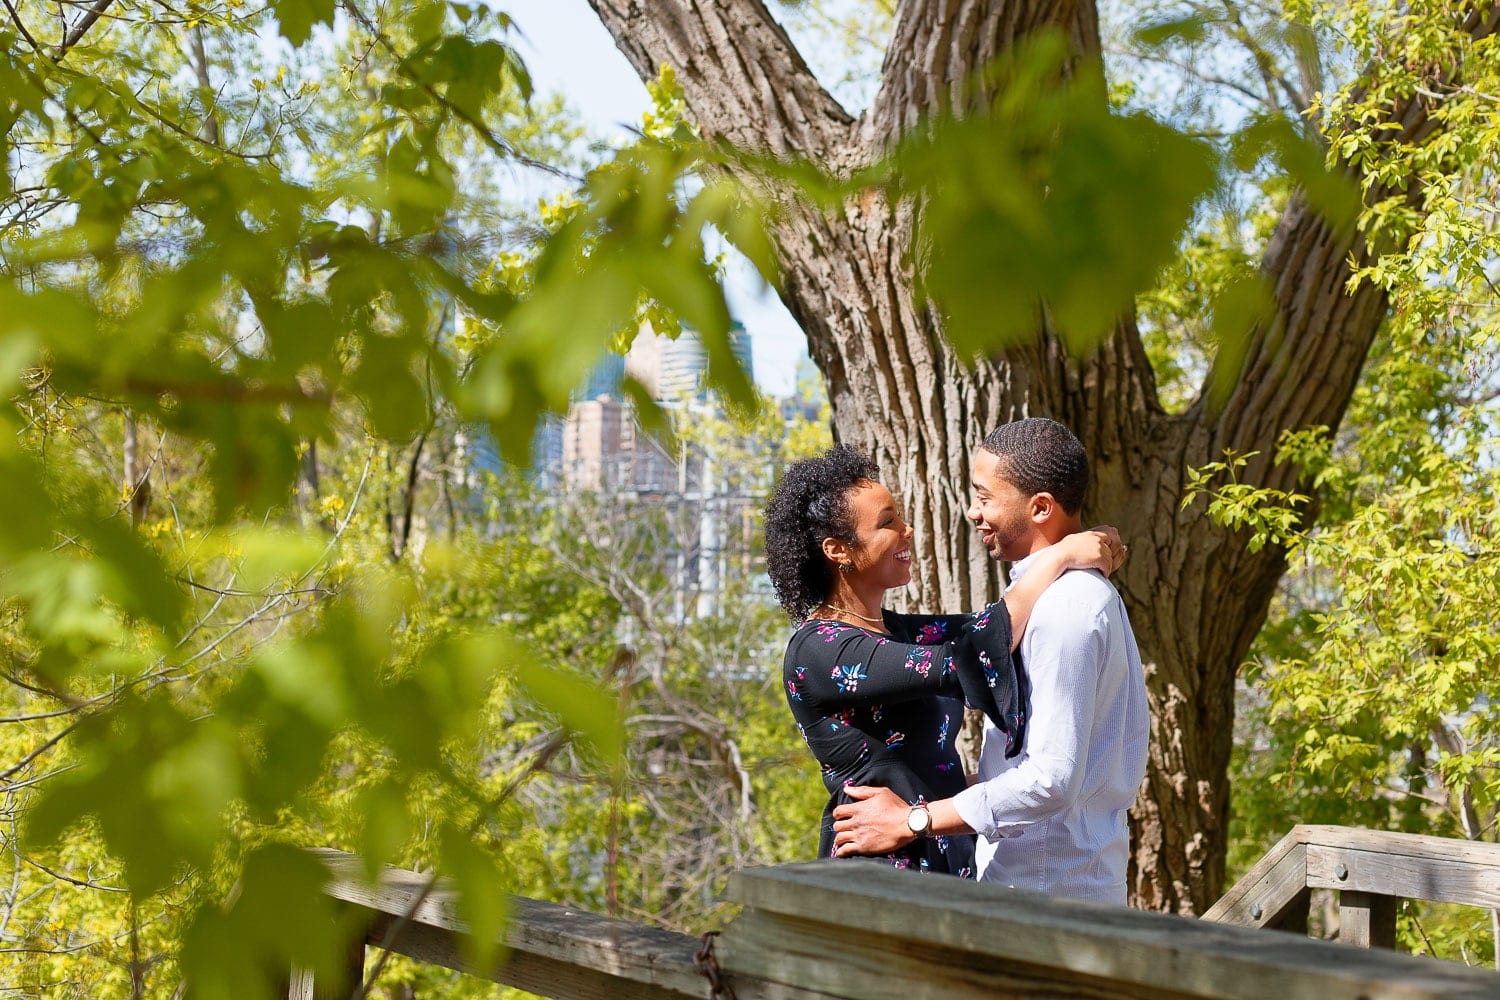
(919, 658)
(831, 630)
(848, 675)
(931, 634)
(795, 684)
(991, 675)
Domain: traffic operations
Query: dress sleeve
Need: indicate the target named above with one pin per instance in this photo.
(832, 667)
(924, 630)
(990, 677)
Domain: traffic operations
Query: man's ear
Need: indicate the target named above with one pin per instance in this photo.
(1044, 507)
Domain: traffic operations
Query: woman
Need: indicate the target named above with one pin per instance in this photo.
(874, 692)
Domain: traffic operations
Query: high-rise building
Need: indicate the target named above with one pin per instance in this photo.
(675, 368)
(605, 448)
(599, 446)
(604, 379)
(591, 443)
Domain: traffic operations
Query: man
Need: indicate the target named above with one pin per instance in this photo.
(1053, 818)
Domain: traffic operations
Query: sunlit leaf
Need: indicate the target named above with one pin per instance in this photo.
(297, 18)
(483, 902)
(1244, 306)
(584, 708)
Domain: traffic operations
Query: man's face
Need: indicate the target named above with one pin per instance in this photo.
(1000, 511)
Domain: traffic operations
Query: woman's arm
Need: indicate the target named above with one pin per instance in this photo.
(832, 666)
(1098, 548)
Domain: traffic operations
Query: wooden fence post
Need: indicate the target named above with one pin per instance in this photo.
(303, 985)
(1367, 919)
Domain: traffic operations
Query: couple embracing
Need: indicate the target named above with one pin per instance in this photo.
(879, 696)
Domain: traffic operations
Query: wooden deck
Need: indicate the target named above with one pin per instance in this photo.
(836, 929)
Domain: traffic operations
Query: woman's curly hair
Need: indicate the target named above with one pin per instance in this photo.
(811, 503)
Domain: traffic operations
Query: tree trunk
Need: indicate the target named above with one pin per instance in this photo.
(1197, 594)
(137, 474)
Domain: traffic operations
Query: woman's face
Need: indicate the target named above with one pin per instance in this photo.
(882, 539)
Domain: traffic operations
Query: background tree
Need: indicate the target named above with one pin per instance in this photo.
(901, 391)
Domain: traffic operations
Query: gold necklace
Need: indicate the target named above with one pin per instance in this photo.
(856, 614)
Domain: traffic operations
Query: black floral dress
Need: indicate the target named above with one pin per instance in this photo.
(884, 710)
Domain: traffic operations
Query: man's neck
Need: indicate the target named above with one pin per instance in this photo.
(1051, 533)
(1042, 537)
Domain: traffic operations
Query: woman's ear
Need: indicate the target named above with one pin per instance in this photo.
(836, 551)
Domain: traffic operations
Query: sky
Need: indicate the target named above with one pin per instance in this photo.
(568, 51)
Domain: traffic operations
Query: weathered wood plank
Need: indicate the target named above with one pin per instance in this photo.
(1472, 852)
(547, 975)
(551, 950)
(1367, 919)
(1454, 874)
(1273, 893)
(300, 986)
(831, 959)
(1023, 944)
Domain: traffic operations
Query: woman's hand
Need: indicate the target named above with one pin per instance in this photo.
(1098, 548)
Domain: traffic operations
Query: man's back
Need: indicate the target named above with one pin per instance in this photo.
(1059, 808)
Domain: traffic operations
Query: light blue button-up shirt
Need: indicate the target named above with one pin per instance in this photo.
(1053, 818)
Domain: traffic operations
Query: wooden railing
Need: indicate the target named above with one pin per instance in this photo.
(1372, 872)
(829, 929)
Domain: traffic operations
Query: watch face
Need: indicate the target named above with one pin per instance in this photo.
(918, 820)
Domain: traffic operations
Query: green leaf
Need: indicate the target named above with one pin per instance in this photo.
(1050, 203)
(1332, 193)
(584, 708)
(385, 825)
(483, 899)
(1189, 29)
(385, 377)
(1242, 307)
(279, 919)
(297, 18)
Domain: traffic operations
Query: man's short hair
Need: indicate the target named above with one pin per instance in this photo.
(1038, 455)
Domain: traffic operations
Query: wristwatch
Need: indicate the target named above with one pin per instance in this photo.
(919, 820)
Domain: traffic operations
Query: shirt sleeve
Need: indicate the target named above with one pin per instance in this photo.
(1062, 666)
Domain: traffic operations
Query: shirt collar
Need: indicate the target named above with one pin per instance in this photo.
(1019, 567)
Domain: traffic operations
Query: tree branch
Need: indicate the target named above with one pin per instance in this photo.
(744, 80)
(498, 145)
(74, 36)
(15, 18)
(1299, 367)
(940, 46)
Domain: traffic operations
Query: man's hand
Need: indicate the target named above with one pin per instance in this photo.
(874, 823)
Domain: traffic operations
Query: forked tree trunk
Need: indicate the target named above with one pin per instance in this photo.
(1196, 595)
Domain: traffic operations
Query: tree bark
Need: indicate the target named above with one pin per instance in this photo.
(137, 474)
(1196, 593)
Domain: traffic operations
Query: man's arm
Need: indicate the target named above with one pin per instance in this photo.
(875, 822)
(1065, 655)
